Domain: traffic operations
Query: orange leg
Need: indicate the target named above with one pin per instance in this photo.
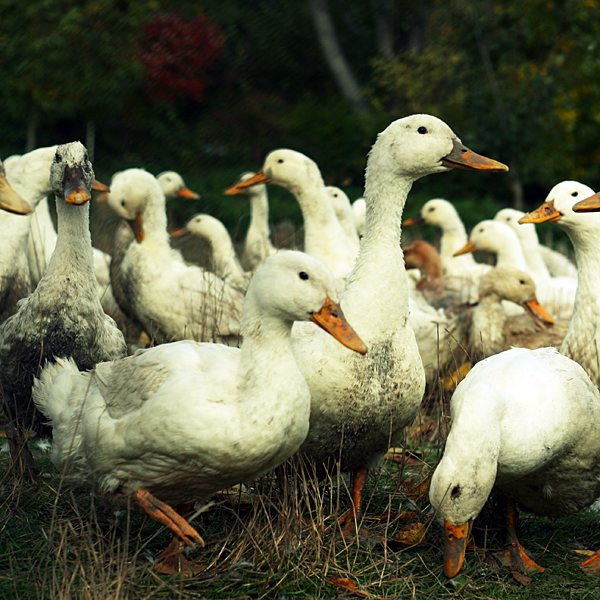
(515, 555)
(163, 513)
(592, 564)
(352, 517)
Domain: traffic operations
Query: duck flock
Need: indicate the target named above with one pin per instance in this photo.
(325, 352)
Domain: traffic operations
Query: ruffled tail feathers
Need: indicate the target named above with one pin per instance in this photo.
(50, 400)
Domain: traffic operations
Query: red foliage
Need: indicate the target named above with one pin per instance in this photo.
(176, 53)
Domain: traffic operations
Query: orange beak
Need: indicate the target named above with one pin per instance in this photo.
(179, 232)
(9, 199)
(413, 221)
(455, 545)
(137, 225)
(75, 190)
(463, 158)
(240, 187)
(591, 204)
(546, 213)
(332, 320)
(538, 313)
(187, 193)
(98, 186)
(468, 247)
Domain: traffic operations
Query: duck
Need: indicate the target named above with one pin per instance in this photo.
(582, 340)
(183, 420)
(63, 317)
(42, 234)
(361, 404)
(171, 299)
(492, 331)
(443, 214)
(324, 236)
(535, 253)
(225, 263)
(257, 245)
(524, 427)
(344, 213)
(557, 295)
(173, 186)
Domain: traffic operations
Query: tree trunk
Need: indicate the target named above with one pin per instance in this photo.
(384, 28)
(90, 139)
(336, 61)
(31, 130)
(516, 186)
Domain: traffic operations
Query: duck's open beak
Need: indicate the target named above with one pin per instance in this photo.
(179, 232)
(591, 204)
(463, 158)
(538, 313)
(413, 221)
(240, 186)
(75, 190)
(10, 200)
(332, 320)
(137, 225)
(187, 193)
(455, 545)
(546, 213)
(468, 247)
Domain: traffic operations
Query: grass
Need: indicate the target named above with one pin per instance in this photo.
(267, 540)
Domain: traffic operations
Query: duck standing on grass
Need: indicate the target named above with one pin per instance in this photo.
(524, 425)
(63, 317)
(360, 407)
(175, 423)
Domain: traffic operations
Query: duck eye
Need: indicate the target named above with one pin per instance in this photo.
(522, 281)
(422, 130)
(455, 493)
(575, 194)
(280, 161)
(122, 202)
(303, 275)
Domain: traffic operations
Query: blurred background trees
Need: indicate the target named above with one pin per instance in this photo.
(208, 88)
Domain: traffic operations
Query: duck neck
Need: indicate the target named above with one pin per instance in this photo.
(259, 211)
(378, 279)
(487, 327)
(531, 249)
(73, 243)
(155, 219)
(510, 254)
(587, 255)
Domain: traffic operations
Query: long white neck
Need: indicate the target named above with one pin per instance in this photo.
(224, 257)
(378, 279)
(454, 237)
(531, 248)
(73, 251)
(323, 234)
(259, 212)
(155, 219)
(509, 253)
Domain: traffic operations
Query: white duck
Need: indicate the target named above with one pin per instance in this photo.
(225, 263)
(171, 299)
(443, 214)
(173, 186)
(524, 424)
(344, 213)
(257, 246)
(535, 253)
(582, 342)
(360, 406)
(323, 234)
(183, 420)
(556, 294)
(42, 235)
(63, 316)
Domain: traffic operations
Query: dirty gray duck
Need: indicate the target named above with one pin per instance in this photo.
(63, 317)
